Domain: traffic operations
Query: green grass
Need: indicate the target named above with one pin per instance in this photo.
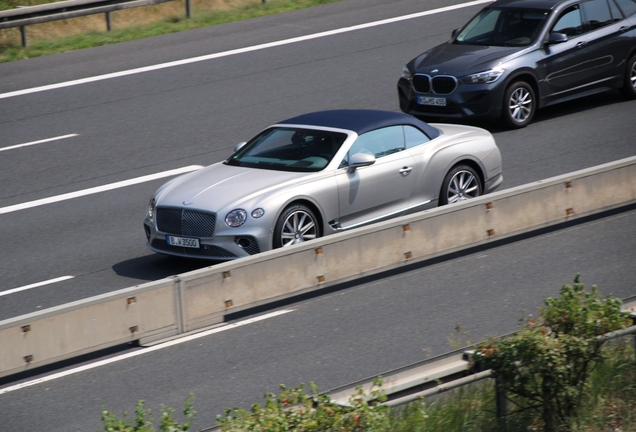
(11, 49)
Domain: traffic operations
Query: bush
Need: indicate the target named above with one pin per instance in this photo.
(548, 362)
(295, 410)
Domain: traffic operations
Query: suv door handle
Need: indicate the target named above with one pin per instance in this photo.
(580, 44)
(406, 170)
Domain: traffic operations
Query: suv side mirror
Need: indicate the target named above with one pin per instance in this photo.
(239, 146)
(557, 38)
(455, 32)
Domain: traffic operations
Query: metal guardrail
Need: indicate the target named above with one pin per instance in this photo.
(29, 15)
(439, 374)
(199, 299)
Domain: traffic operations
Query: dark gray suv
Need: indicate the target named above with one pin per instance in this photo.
(516, 56)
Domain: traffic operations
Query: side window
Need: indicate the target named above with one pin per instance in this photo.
(597, 14)
(569, 22)
(379, 143)
(414, 137)
(627, 6)
(617, 15)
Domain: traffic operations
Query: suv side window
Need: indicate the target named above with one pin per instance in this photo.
(627, 6)
(569, 22)
(597, 14)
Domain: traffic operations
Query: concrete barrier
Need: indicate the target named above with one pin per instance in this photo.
(145, 312)
(204, 297)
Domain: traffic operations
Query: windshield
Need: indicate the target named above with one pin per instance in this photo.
(289, 149)
(503, 27)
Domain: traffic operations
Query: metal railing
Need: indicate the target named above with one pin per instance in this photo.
(438, 375)
(29, 15)
(443, 373)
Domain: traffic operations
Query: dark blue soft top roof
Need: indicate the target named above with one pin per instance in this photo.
(361, 120)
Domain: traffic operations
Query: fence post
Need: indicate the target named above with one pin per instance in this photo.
(188, 9)
(108, 21)
(23, 36)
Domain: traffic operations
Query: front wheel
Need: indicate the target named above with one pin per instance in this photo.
(629, 85)
(296, 225)
(461, 183)
(519, 105)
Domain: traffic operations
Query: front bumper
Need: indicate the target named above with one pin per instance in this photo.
(479, 101)
(217, 248)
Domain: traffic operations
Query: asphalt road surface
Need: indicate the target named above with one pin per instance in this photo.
(201, 93)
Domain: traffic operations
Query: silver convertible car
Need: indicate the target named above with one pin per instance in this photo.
(319, 174)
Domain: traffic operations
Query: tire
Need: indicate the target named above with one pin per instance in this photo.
(629, 85)
(296, 224)
(519, 105)
(461, 183)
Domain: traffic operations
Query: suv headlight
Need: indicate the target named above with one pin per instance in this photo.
(151, 209)
(406, 73)
(486, 77)
(236, 218)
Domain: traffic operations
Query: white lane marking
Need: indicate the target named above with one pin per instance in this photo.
(98, 189)
(142, 351)
(38, 142)
(240, 50)
(35, 285)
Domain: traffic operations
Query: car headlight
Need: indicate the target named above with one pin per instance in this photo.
(151, 209)
(406, 73)
(236, 218)
(486, 77)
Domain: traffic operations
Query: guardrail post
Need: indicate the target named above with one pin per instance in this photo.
(188, 9)
(108, 21)
(502, 403)
(23, 36)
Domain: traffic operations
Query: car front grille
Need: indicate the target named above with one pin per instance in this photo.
(422, 83)
(441, 84)
(207, 251)
(185, 222)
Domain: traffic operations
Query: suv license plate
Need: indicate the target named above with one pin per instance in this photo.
(423, 100)
(183, 242)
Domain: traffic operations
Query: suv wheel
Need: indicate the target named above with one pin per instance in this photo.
(629, 86)
(519, 105)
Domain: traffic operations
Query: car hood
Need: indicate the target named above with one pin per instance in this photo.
(218, 186)
(459, 60)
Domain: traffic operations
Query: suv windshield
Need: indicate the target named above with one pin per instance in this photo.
(289, 149)
(503, 27)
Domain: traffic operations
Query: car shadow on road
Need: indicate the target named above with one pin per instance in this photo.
(547, 113)
(154, 266)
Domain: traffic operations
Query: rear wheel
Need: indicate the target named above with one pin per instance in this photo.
(295, 225)
(629, 85)
(461, 183)
(519, 105)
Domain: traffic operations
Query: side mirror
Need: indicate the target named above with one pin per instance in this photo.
(239, 146)
(360, 160)
(557, 38)
(455, 32)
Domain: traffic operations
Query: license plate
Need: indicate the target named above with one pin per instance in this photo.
(423, 100)
(182, 241)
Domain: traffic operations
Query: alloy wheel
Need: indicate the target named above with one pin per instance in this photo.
(464, 185)
(299, 226)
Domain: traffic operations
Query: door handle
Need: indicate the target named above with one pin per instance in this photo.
(580, 44)
(406, 170)
(623, 29)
